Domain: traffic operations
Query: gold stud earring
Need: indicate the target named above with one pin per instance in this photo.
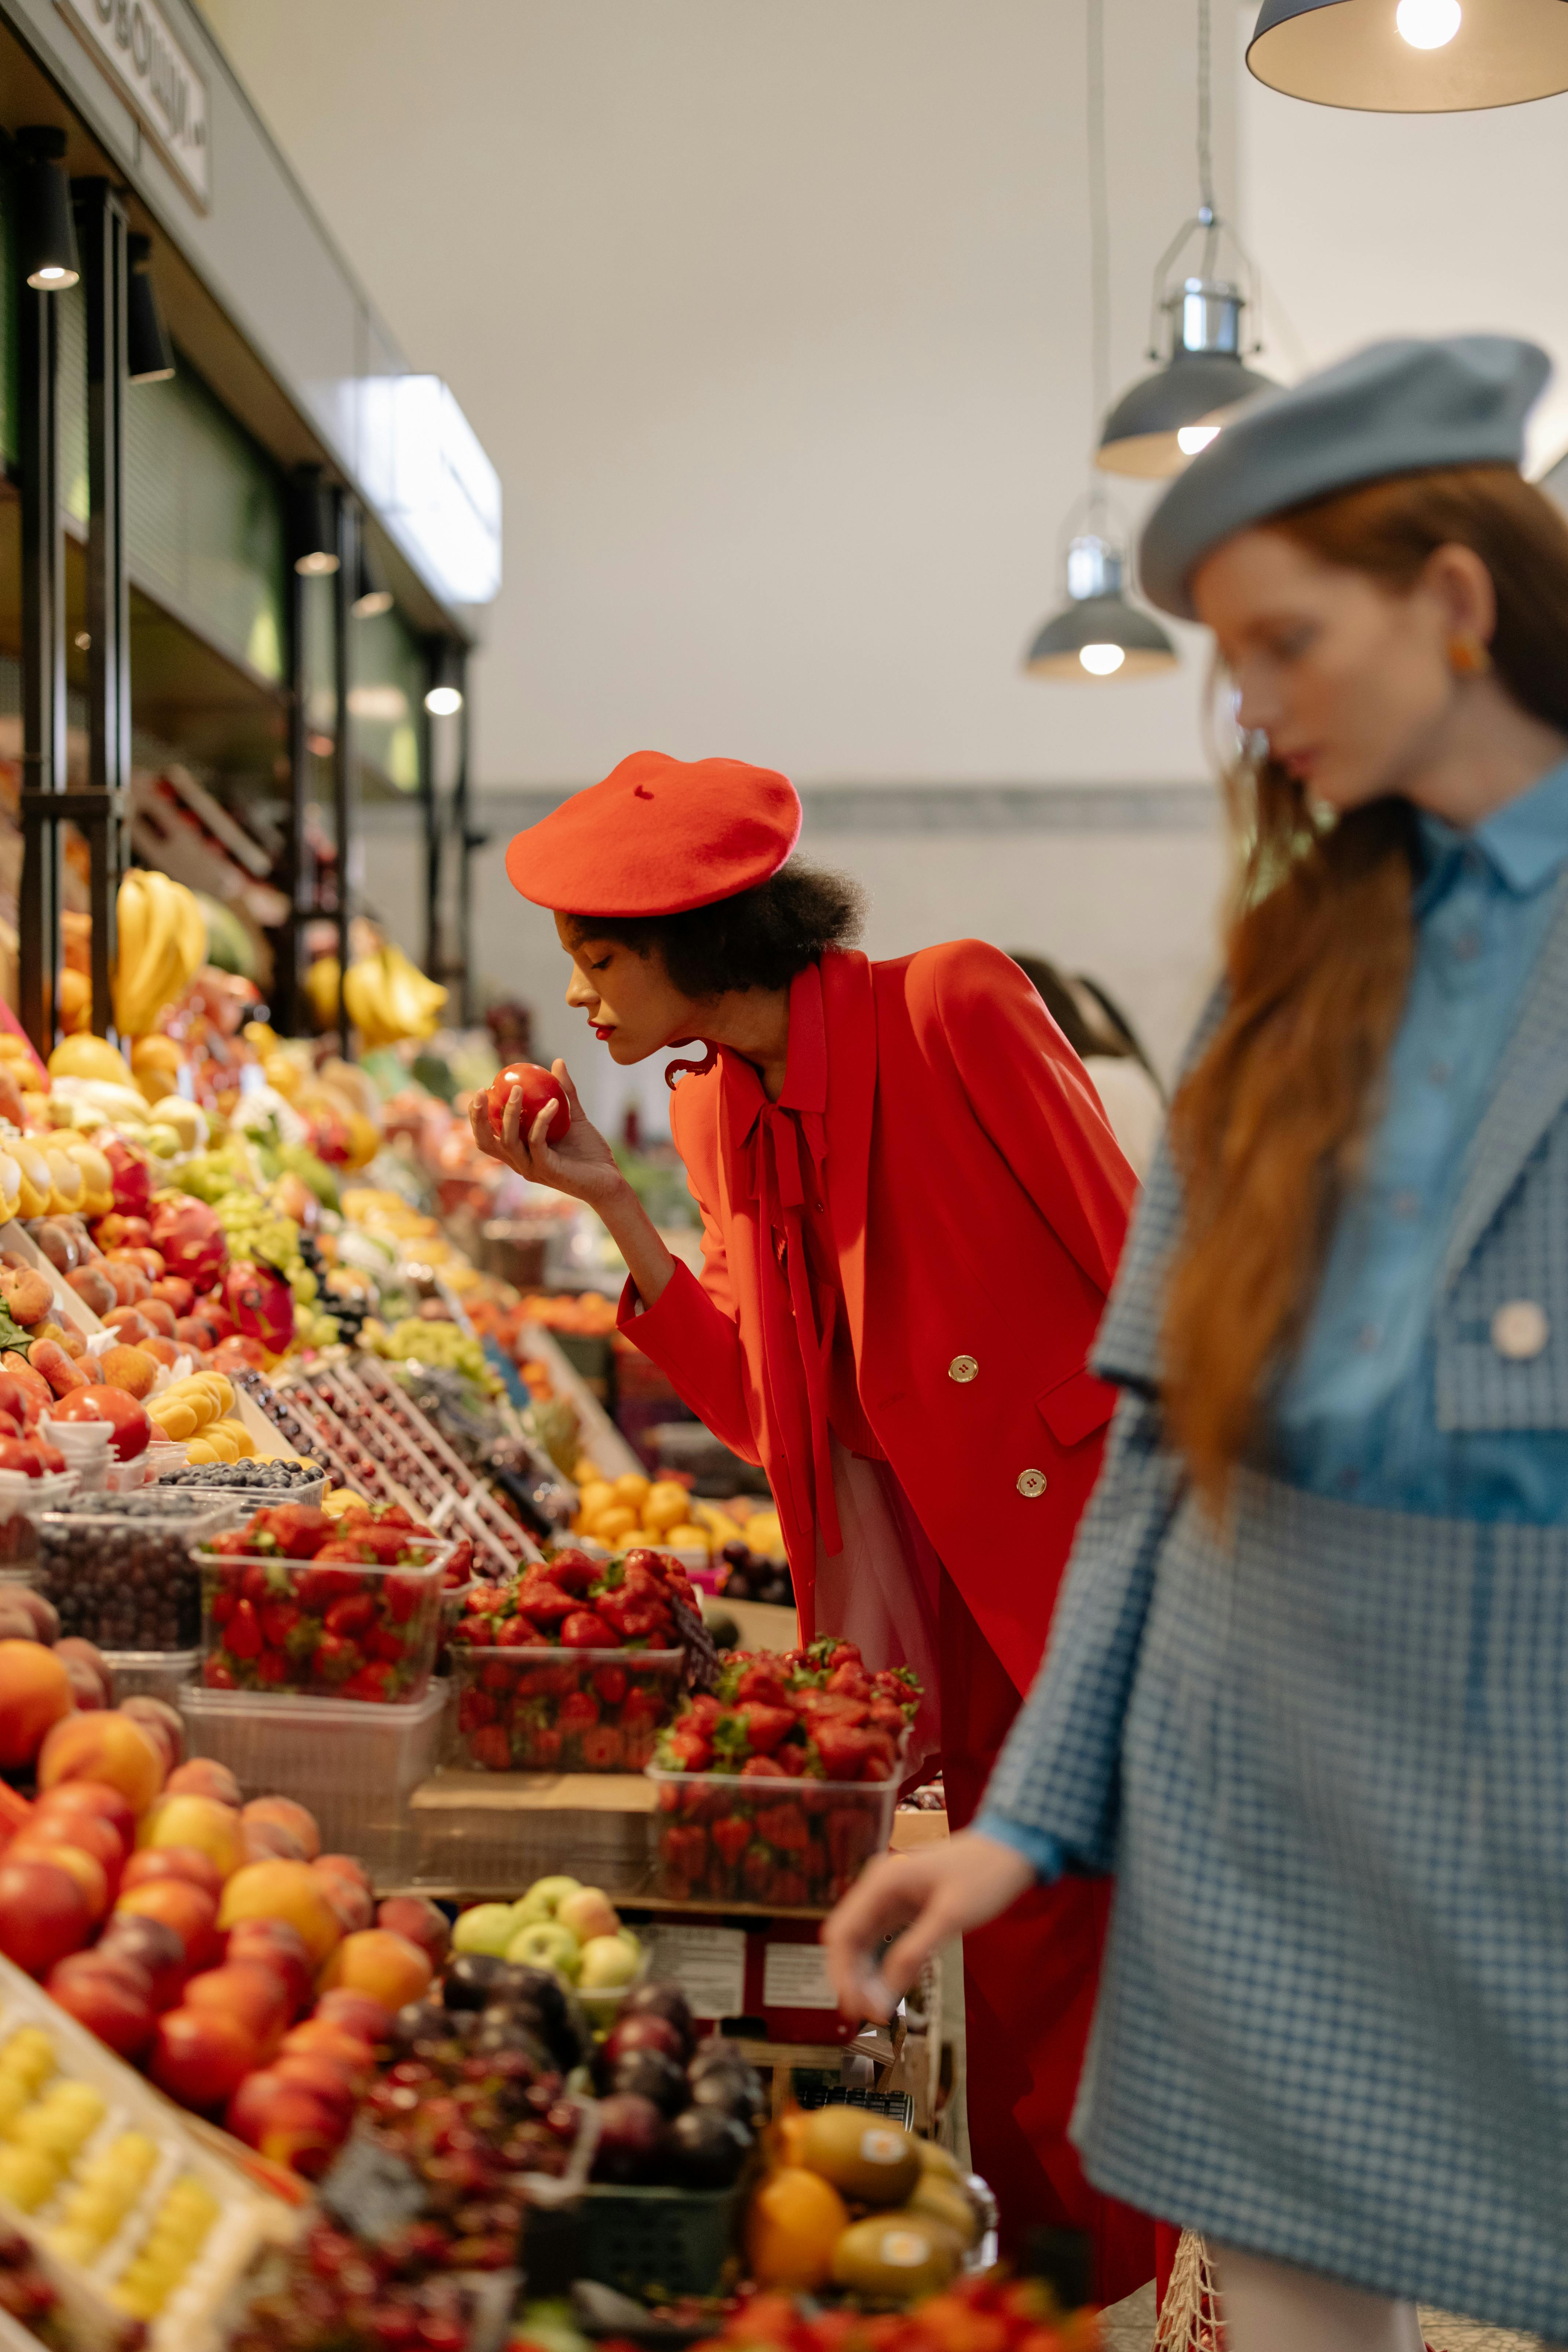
(1467, 657)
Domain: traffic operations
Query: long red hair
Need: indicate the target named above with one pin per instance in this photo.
(1268, 1126)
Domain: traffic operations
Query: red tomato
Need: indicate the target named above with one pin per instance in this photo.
(539, 1088)
(130, 1429)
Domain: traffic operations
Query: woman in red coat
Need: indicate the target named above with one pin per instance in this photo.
(913, 1207)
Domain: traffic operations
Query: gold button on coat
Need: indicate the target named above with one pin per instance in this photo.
(963, 1368)
(1519, 1330)
(1032, 1482)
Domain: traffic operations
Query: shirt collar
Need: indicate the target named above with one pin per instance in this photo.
(1525, 841)
(805, 1061)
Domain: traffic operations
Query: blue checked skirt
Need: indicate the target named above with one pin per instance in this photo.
(1334, 2019)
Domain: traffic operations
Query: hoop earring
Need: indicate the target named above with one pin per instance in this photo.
(1467, 657)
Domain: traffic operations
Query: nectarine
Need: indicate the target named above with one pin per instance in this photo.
(85, 1868)
(202, 1777)
(420, 1921)
(110, 1805)
(272, 1943)
(387, 1967)
(354, 1906)
(289, 1816)
(112, 2000)
(192, 1915)
(289, 1891)
(246, 1990)
(288, 2122)
(211, 1827)
(111, 1747)
(355, 2057)
(200, 2056)
(153, 1944)
(185, 1861)
(35, 1694)
(90, 1832)
(44, 1913)
(357, 2012)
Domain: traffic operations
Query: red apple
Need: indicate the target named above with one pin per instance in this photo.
(112, 2000)
(200, 2056)
(187, 1862)
(412, 1915)
(44, 1913)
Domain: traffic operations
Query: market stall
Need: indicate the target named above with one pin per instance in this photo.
(412, 1839)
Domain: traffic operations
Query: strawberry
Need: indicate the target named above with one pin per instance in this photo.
(242, 1635)
(491, 1748)
(766, 1725)
(842, 1749)
(610, 1684)
(764, 1768)
(273, 1668)
(760, 1680)
(352, 1616)
(335, 1658)
(784, 1826)
(585, 1629)
(299, 1531)
(543, 1745)
(603, 1747)
(543, 1599)
(573, 1571)
(404, 1596)
(370, 1682)
(731, 1836)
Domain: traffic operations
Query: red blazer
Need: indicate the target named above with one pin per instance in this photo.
(978, 1201)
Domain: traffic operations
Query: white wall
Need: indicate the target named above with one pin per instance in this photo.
(773, 318)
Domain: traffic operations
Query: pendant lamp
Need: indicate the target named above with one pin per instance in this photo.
(1166, 418)
(150, 356)
(1412, 56)
(1098, 633)
(45, 231)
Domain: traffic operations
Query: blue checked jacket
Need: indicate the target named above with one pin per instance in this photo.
(1325, 1754)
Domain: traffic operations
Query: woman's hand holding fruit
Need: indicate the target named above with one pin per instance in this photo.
(580, 1164)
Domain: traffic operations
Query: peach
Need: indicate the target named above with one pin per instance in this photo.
(200, 2056)
(321, 2075)
(111, 1747)
(44, 1914)
(213, 1829)
(269, 1841)
(352, 1905)
(203, 1777)
(289, 1891)
(387, 1967)
(353, 2056)
(347, 1865)
(158, 1313)
(35, 1696)
(151, 1944)
(187, 1862)
(89, 1832)
(113, 2001)
(156, 1715)
(289, 1816)
(129, 1369)
(288, 2122)
(269, 1944)
(245, 1990)
(420, 1921)
(192, 1915)
(356, 2013)
(85, 1868)
(95, 1797)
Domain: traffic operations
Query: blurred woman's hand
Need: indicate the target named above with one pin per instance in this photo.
(935, 1893)
(581, 1165)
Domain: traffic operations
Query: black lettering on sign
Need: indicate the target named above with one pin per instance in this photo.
(140, 38)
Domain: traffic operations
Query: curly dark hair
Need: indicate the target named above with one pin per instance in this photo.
(758, 939)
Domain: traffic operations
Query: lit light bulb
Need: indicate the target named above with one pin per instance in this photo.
(1101, 661)
(1428, 24)
(317, 564)
(1191, 438)
(443, 701)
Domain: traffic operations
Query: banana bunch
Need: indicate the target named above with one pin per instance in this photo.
(388, 998)
(162, 946)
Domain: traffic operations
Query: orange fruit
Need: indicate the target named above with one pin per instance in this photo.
(793, 2223)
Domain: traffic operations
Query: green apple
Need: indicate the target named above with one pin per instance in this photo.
(544, 1898)
(545, 1945)
(589, 1913)
(608, 1962)
(487, 1927)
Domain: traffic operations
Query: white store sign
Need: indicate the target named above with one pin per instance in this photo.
(135, 44)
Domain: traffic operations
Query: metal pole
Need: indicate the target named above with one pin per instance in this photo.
(101, 233)
(430, 794)
(343, 581)
(42, 664)
(466, 844)
(285, 992)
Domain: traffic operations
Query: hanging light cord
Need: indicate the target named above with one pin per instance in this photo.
(1207, 210)
(1098, 231)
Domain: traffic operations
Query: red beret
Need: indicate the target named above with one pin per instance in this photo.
(657, 838)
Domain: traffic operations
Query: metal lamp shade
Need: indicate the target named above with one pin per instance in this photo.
(46, 231)
(148, 354)
(1099, 621)
(1351, 53)
(1192, 388)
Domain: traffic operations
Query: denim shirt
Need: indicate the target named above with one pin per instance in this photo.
(1355, 1417)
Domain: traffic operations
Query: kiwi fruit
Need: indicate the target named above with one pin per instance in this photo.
(895, 2257)
(943, 2201)
(867, 2160)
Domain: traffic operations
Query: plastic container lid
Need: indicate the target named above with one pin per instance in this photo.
(282, 1709)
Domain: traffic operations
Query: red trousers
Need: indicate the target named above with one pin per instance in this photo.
(1029, 1982)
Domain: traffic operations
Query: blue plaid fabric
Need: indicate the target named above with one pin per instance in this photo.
(1326, 1754)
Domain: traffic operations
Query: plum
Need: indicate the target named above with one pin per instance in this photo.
(707, 2149)
(632, 2139)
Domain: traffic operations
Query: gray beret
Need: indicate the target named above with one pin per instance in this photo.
(1394, 408)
